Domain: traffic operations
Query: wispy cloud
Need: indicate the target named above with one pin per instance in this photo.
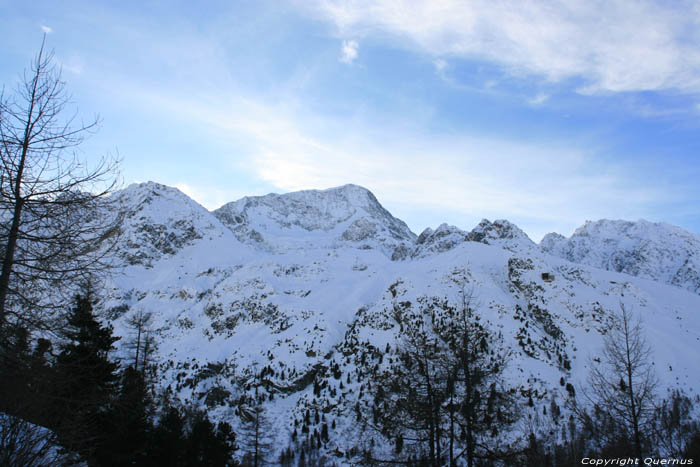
(348, 51)
(542, 186)
(440, 64)
(538, 99)
(284, 140)
(73, 64)
(618, 45)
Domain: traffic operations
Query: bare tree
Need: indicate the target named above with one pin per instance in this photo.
(54, 227)
(443, 399)
(26, 444)
(255, 428)
(142, 341)
(623, 384)
(675, 424)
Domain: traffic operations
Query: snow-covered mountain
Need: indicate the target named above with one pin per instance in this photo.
(656, 251)
(499, 233)
(315, 219)
(311, 288)
(160, 221)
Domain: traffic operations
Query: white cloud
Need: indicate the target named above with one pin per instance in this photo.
(73, 64)
(542, 186)
(538, 99)
(46, 29)
(348, 52)
(539, 186)
(440, 64)
(613, 45)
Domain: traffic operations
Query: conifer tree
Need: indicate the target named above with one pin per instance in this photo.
(675, 428)
(141, 342)
(129, 427)
(477, 359)
(86, 380)
(168, 436)
(255, 434)
(208, 445)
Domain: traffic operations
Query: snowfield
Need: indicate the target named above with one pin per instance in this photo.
(311, 287)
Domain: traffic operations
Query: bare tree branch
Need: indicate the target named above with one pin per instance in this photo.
(57, 223)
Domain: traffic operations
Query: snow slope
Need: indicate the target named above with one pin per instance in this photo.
(310, 287)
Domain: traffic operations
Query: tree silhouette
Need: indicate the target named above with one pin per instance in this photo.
(54, 228)
(443, 399)
(86, 381)
(623, 384)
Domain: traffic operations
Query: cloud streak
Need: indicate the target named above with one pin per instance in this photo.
(284, 140)
(612, 45)
(541, 186)
(348, 51)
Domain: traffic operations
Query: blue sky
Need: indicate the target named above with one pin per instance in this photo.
(544, 113)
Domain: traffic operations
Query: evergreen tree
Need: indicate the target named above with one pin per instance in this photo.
(167, 441)
(675, 428)
(128, 427)
(86, 381)
(207, 445)
(14, 371)
(24, 378)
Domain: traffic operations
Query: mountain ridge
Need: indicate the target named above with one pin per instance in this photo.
(652, 250)
(352, 215)
(313, 308)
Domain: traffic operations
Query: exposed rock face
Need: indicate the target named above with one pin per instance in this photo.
(500, 233)
(160, 221)
(442, 239)
(655, 251)
(315, 218)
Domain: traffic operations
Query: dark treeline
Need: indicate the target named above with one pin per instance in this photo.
(95, 411)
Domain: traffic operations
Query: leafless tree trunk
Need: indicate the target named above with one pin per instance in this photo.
(623, 384)
(256, 428)
(142, 342)
(55, 227)
(444, 394)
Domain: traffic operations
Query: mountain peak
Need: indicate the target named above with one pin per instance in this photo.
(652, 250)
(501, 233)
(160, 221)
(315, 218)
(222, 311)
